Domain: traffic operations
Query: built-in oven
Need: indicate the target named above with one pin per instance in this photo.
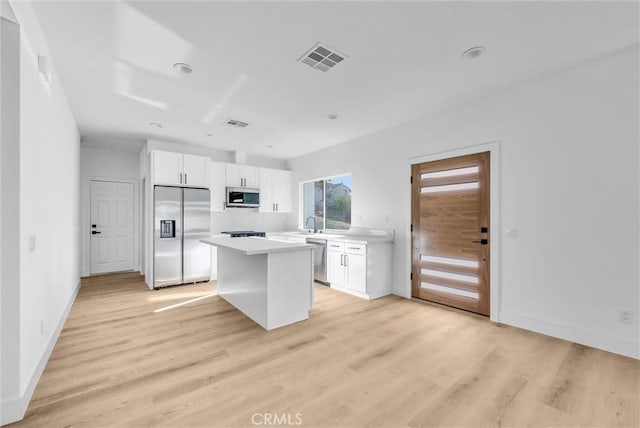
(319, 259)
(243, 197)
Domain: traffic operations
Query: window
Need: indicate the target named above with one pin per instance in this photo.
(326, 203)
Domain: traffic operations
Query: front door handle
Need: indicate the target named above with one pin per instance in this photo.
(95, 232)
(482, 241)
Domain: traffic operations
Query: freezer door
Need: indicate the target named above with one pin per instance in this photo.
(196, 264)
(167, 248)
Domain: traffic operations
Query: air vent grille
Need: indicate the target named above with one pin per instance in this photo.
(236, 123)
(321, 57)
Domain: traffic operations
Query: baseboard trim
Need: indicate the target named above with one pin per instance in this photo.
(13, 409)
(616, 345)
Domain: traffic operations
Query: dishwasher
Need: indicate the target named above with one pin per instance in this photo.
(319, 259)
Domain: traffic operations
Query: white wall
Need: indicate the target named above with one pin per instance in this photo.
(569, 183)
(10, 408)
(48, 200)
(116, 165)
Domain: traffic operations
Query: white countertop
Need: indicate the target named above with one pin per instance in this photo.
(346, 238)
(254, 245)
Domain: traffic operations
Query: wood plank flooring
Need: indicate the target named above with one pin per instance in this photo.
(388, 362)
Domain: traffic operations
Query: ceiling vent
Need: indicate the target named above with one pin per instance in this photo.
(236, 123)
(321, 57)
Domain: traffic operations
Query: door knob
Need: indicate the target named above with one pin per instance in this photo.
(482, 241)
(95, 232)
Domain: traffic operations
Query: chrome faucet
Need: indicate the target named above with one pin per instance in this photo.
(306, 223)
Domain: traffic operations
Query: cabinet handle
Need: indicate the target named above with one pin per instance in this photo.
(185, 178)
(180, 178)
(277, 207)
(346, 260)
(341, 258)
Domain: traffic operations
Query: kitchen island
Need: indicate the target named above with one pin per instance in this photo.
(269, 281)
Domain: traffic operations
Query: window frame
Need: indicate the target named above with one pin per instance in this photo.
(301, 184)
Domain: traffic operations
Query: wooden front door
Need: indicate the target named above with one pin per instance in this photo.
(450, 232)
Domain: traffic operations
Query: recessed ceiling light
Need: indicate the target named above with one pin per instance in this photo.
(155, 124)
(183, 68)
(473, 53)
(332, 116)
(209, 135)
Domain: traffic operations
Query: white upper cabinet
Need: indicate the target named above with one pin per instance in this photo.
(242, 176)
(167, 168)
(266, 196)
(275, 190)
(217, 186)
(282, 189)
(195, 169)
(177, 169)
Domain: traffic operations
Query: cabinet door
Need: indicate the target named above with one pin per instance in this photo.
(233, 175)
(335, 268)
(167, 168)
(217, 186)
(251, 175)
(281, 187)
(195, 169)
(266, 194)
(356, 276)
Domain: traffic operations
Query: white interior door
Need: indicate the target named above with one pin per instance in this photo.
(112, 226)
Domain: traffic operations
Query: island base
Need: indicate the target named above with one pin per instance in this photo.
(273, 289)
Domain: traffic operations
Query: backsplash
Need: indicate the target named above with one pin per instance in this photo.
(248, 219)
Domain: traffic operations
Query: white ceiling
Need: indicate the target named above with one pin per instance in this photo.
(115, 62)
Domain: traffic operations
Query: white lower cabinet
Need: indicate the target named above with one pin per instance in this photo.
(359, 269)
(335, 266)
(356, 272)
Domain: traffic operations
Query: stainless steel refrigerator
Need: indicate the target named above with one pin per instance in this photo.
(182, 217)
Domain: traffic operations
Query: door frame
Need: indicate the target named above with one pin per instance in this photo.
(494, 213)
(86, 240)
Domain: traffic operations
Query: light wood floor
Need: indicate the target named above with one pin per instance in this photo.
(388, 362)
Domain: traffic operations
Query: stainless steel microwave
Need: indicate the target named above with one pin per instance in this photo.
(243, 197)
